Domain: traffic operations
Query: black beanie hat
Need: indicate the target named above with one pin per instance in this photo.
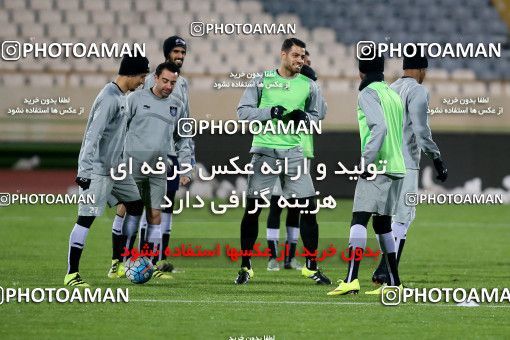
(375, 65)
(415, 62)
(307, 71)
(133, 65)
(171, 43)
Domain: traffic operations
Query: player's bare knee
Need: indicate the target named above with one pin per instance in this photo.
(154, 217)
(121, 210)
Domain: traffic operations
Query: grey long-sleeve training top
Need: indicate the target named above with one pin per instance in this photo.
(417, 135)
(151, 125)
(103, 141)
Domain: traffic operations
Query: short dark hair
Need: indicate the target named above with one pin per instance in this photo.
(288, 43)
(166, 66)
(307, 53)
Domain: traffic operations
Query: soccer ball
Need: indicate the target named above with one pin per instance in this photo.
(139, 270)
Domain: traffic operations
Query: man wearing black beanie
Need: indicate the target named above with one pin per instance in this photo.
(174, 51)
(417, 137)
(133, 66)
(306, 69)
(101, 150)
(380, 117)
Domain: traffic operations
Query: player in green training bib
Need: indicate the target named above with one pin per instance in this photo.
(292, 219)
(380, 117)
(417, 138)
(281, 96)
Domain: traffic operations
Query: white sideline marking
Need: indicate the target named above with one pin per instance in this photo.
(258, 302)
(305, 303)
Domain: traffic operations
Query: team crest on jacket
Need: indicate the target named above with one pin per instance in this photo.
(173, 111)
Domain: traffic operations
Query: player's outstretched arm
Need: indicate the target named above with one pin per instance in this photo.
(369, 102)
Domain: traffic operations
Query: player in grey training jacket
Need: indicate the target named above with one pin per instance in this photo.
(153, 115)
(100, 151)
(174, 50)
(417, 137)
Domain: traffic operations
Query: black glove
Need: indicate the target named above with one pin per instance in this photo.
(277, 112)
(442, 172)
(83, 183)
(365, 174)
(298, 115)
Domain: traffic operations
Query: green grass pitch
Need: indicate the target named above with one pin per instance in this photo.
(447, 246)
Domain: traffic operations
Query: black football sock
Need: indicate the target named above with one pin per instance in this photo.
(273, 247)
(273, 226)
(382, 227)
(400, 233)
(292, 250)
(309, 232)
(165, 240)
(118, 240)
(292, 223)
(77, 242)
(357, 239)
(249, 231)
